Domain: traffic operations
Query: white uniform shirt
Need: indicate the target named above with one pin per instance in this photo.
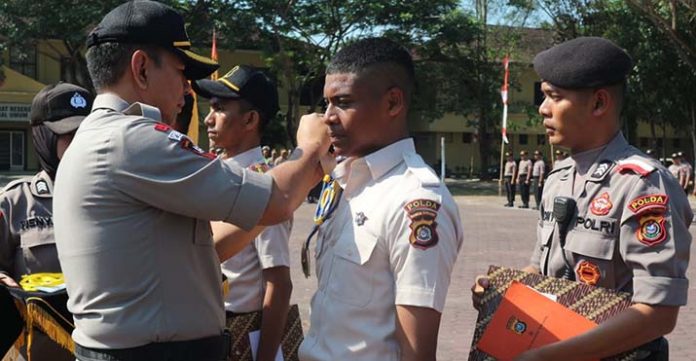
(393, 240)
(268, 250)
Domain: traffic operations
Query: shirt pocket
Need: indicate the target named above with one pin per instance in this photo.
(352, 279)
(202, 233)
(593, 257)
(38, 252)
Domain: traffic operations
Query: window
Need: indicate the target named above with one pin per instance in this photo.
(523, 139)
(467, 138)
(23, 60)
(541, 139)
(538, 94)
(11, 150)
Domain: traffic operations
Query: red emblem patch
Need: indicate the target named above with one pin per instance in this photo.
(588, 273)
(601, 205)
(652, 230)
(162, 127)
(422, 213)
(653, 203)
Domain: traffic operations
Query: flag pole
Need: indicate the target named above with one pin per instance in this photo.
(504, 95)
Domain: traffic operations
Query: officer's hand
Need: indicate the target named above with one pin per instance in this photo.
(477, 290)
(7, 280)
(531, 355)
(313, 134)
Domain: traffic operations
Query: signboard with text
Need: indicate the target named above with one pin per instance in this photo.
(12, 112)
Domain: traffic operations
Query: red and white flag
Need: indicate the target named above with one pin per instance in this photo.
(504, 95)
(214, 56)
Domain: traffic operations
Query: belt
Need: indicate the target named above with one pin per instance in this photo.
(214, 348)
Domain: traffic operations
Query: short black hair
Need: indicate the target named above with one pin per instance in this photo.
(107, 62)
(264, 118)
(384, 56)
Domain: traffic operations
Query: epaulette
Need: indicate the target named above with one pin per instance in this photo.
(15, 183)
(636, 166)
(416, 165)
(560, 165)
(147, 111)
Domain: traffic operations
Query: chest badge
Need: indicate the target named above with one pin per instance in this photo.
(588, 273)
(360, 218)
(601, 205)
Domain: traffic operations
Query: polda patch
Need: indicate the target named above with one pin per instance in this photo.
(652, 203)
(651, 230)
(422, 213)
(601, 205)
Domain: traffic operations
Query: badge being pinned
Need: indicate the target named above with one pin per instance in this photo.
(422, 213)
(653, 203)
(601, 205)
(652, 230)
(588, 273)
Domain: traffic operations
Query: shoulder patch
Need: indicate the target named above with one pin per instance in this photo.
(422, 213)
(652, 203)
(652, 230)
(260, 167)
(636, 166)
(424, 173)
(185, 142)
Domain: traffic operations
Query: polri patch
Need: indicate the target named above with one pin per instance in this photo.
(652, 203)
(601, 205)
(652, 230)
(588, 273)
(422, 213)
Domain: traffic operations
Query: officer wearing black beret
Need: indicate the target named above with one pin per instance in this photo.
(644, 250)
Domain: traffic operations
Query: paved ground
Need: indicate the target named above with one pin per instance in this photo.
(493, 235)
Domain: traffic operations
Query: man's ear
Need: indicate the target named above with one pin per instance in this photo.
(396, 101)
(139, 68)
(252, 120)
(602, 101)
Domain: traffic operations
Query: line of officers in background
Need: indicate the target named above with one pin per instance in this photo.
(527, 176)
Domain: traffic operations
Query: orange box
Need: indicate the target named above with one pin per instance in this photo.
(526, 319)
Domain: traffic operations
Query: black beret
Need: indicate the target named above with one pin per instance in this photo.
(584, 62)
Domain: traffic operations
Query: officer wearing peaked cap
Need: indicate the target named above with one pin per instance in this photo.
(510, 175)
(134, 199)
(630, 230)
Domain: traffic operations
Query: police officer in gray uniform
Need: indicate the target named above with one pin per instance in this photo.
(629, 225)
(134, 199)
(510, 175)
(27, 244)
(524, 177)
(538, 176)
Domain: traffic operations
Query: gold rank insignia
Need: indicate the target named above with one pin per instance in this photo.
(422, 213)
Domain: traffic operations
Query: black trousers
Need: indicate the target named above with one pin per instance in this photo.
(536, 190)
(524, 189)
(509, 189)
(214, 348)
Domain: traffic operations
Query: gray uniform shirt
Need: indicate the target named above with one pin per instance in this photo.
(132, 208)
(27, 244)
(630, 232)
(525, 169)
(538, 169)
(510, 168)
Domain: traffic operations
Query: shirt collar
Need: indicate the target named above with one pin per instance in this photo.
(110, 101)
(249, 157)
(378, 163)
